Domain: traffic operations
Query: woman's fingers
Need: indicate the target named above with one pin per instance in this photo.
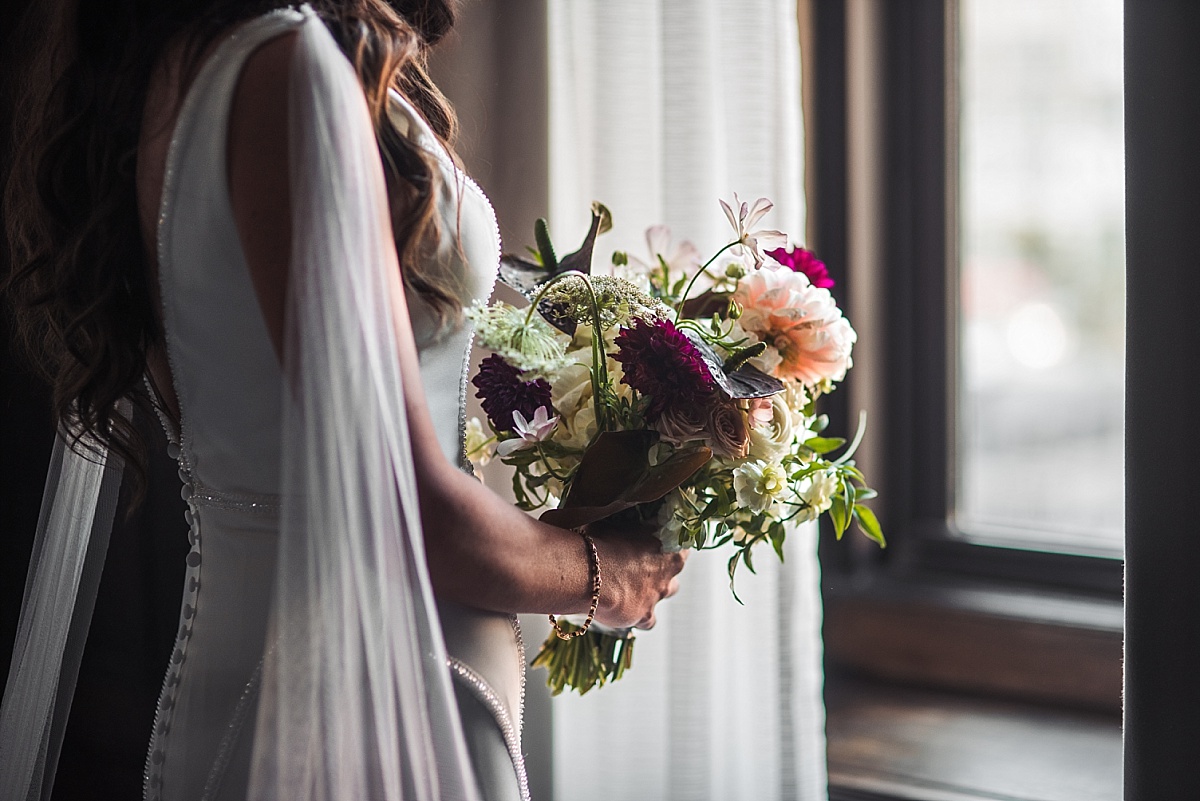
(639, 574)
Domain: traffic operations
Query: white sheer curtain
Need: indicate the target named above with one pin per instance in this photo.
(657, 108)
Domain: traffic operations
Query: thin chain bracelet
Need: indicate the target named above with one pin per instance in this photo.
(597, 581)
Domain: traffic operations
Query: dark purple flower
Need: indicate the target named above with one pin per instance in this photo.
(800, 260)
(502, 392)
(663, 364)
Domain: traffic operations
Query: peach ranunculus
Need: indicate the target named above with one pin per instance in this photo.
(801, 321)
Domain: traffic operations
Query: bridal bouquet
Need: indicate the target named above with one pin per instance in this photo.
(676, 392)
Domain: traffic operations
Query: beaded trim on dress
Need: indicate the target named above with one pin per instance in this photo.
(180, 445)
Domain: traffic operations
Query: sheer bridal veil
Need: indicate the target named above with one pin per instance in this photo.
(355, 697)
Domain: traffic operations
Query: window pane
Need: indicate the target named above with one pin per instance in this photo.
(1041, 349)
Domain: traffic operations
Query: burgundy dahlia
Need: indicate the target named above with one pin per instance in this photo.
(804, 261)
(663, 365)
(502, 392)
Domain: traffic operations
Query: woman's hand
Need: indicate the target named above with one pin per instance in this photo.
(637, 574)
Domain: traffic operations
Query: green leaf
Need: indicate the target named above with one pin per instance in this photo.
(541, 234)
(733, 563)
(778, 535)
(746, 556)
(837, 513)
(864, 494)
(824, 444)
(869, 523)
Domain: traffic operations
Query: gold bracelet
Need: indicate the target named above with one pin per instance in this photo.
(594, 571)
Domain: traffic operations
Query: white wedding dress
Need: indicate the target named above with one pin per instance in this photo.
(308, 662)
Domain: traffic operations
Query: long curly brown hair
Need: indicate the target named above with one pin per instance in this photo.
(80, 284)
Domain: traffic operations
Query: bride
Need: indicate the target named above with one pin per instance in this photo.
(248, 219)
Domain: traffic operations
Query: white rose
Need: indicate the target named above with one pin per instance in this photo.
(579, 432)
(571, 394)
(772, 440)
(758, 484)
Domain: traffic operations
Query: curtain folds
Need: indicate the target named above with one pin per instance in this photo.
(658, 108)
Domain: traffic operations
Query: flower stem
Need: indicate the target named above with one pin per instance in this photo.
(481, 446)
(546, 464)
(599, 366)
(704, 268)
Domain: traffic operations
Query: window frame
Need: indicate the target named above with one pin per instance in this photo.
(929, 564)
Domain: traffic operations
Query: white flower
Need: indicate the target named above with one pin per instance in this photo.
(818, 491)
(754, 240)
(677, 506)
(530, 345)
(773, 439)
(529, 432)
(571, 395)
(758, 484)
(479, 446)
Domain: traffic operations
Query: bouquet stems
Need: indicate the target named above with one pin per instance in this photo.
(591, 660)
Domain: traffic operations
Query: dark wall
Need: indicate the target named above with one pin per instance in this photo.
(26, 432)
(1162, 664)
(137, 607)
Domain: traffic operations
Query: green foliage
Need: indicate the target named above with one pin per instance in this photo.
(584, 662)
(545, 248)
(869, 524)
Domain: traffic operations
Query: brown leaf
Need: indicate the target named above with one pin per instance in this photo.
(615, 474)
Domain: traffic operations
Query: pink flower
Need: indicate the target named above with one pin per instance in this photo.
(804, 261)
(760, 412)
(801, 321)
(728, 434)
(529, 432)
(679, 425)
(681, 258)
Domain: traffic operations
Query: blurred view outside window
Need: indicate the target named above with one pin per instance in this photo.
(1041, 349)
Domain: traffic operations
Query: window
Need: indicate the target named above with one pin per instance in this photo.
(995, 599)
(1041, 216)
(971, 594)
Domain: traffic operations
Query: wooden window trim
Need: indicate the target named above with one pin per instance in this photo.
(913, 613)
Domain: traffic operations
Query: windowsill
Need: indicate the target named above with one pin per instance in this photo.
(996, 639)
(889, 743)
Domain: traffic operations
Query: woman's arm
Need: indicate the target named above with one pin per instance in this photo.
(481, 550)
